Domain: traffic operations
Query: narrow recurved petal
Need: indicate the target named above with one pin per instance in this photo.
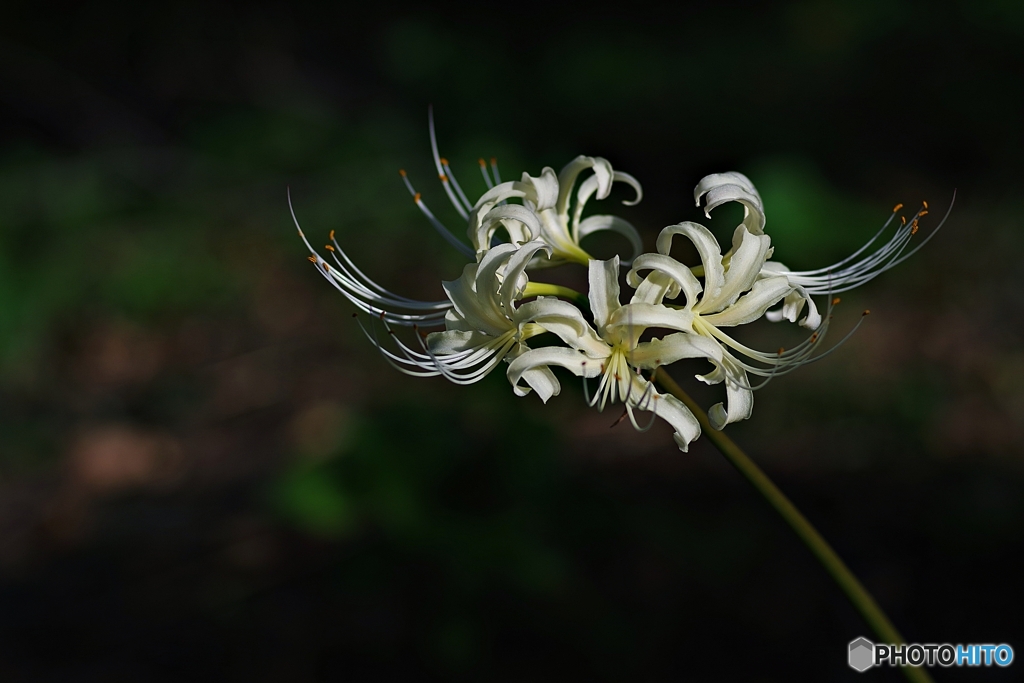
(573, 361)
(721, 188)
(542, 190)
(567, 179)
(753, 304)
(514, 278)
(505, 215)
(679, 275)
(604, 290)
(739, 398)
(683, 422)
(633, 319)
(565, 321)
(672, 348)
(708, 249)
(744, 267)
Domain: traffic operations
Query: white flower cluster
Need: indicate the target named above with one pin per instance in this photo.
(493, 311)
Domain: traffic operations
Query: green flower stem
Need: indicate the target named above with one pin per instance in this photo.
(544, 289)
(856, 592)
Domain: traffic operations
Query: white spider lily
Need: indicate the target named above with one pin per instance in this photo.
(729, 296)
(614, 353)
(367, 295)
(486, 324)
(545, 210)
(543, 213)
(839, 277)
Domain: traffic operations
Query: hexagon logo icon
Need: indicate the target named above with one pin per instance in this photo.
(862, 654)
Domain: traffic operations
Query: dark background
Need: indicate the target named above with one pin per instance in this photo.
(207, 473)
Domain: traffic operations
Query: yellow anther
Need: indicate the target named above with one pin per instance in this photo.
(836, 301)
(331, 236)
(416, 198)
(913, 228)
(312, 259)
(401, 172)
(897, 208)
(328, 247)
(923, 213)
(903, 220)
(924, 203)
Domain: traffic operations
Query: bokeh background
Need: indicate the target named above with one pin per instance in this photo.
(207, 472)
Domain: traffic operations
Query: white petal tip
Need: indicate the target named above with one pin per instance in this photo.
(811, 322)
(717, 416)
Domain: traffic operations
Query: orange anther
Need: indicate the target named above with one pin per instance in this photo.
(924, 203)
(494, 160)
(913, 229)
(444, 162)
(867, 311)
(326, 266)
(401, 172)
(836, 301)
(481, 161)
(923, 213)
(897, 208)
(903, 220)
(416, 198)
(782, 350)
(814, 337)
(443, 177)
(331, 236)
(312, 259)
(300, 234)
(328, 247)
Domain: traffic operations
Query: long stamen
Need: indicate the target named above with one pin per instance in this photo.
(784, 361)
(367, 295)
(888, 256)
(437, 224)
(485, 174)
(644, 404)
(455, 185)
(441, 173)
